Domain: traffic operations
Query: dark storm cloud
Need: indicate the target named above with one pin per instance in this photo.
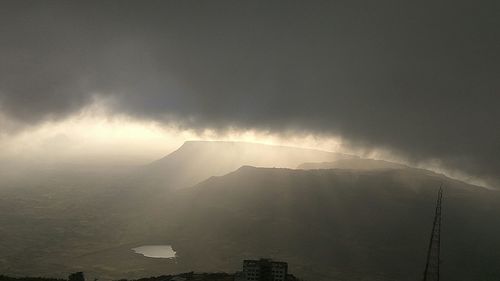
(418, 78)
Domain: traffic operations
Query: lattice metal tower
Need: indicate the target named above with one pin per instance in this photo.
(431, 272)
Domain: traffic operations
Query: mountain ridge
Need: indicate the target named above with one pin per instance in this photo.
(195, 161)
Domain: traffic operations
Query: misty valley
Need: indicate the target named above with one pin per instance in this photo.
(209, 205)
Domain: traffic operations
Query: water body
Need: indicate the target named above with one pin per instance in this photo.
(156, 251)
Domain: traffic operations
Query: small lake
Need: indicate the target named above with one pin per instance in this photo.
(156, 251)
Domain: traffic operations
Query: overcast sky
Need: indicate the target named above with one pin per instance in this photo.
(419, 78)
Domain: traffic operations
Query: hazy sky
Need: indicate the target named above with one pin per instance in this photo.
(420, 78)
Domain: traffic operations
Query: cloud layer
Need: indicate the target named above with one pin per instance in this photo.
(420, 79)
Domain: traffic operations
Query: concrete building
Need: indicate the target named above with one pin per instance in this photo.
(264, 270)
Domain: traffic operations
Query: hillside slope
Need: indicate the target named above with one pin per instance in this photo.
(336, 224)
(354, 164)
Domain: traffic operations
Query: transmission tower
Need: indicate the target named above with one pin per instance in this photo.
(431, 272)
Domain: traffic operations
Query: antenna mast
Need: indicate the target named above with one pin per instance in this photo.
(431, 272)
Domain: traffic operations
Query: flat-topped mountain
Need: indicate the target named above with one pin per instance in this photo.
(196, 161)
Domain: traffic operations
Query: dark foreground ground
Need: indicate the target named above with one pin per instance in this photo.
(190, 276)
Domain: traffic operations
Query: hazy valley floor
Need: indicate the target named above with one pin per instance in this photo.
(328, 224)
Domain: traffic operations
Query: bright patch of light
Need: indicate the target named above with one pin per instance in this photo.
(94, 134)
